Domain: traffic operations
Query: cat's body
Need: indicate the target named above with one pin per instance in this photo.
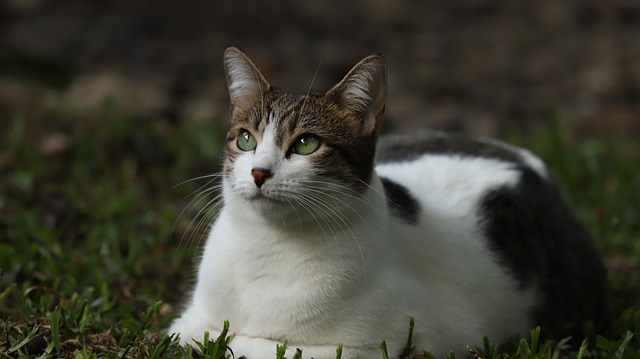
(318, 246)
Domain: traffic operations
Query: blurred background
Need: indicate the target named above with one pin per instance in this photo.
(475, 66)
(113, 113)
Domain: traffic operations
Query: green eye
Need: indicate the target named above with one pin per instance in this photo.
(246, 141)
(306, 145)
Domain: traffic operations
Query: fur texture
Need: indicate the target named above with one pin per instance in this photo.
(332, 247)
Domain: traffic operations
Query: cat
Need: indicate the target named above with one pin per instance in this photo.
(330, 235)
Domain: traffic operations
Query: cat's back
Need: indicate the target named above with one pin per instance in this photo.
(507, 197)
(444, 174)
(406, 148)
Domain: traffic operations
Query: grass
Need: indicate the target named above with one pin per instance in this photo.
(94, 257)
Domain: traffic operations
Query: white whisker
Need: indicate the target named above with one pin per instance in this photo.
(341, 201)
(356, 197)
(295, 210)
(205, 221)
(334, 214)
(202, 217)
(304, 102)
(205, 211)
(213, 176)
(308, 207)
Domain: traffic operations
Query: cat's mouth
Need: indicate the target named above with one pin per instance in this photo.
(268, 199)
(262, 197)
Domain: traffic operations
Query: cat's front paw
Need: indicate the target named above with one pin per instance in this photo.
(260, 348)
(190, 333)
(256, 348)
(193, 337)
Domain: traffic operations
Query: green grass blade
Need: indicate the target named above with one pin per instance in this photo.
(281, 350)
(24, 341)
(383, 349)
(56, 319)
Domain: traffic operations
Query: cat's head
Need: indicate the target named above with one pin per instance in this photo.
(285, 151)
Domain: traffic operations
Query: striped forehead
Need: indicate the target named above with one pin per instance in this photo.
(285, 117)
(278, 127)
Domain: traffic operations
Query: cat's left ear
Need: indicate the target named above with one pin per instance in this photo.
(246, 84)
(363, 92)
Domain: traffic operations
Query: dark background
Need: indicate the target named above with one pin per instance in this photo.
(476, 66)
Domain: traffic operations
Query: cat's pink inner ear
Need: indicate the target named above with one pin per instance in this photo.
(244, 81)
(363, 92)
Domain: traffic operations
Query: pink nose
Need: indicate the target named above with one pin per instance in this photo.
(260, 175)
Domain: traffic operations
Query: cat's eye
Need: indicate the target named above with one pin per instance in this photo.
(306, 145)
(246, 141)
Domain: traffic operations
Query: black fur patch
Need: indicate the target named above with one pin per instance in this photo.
(400, 201)
(541, 242)
(409, 147)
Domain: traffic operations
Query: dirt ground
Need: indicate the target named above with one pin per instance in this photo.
(475, 66)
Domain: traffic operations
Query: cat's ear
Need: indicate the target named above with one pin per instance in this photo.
(245, 83)
(363, 92)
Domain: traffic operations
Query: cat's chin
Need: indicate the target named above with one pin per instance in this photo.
(266, 205)
(279, 211)
(262, 202)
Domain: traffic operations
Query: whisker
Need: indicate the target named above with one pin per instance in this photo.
(327, 210)
(308, 208)
(197, 197)
(224, 90)
(383, 194)
(201, 216)
(338, 199)
(192, 203)
(341, 188)
(205, 221)
(262, 108)
(211, 175)
(304, 102)
(349, 195)
(295, 210)
(333, 214)
(375, 190)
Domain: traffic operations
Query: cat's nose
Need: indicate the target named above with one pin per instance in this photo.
(260, 175)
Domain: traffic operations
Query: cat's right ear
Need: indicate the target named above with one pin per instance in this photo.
(245, 83)
(363, 92)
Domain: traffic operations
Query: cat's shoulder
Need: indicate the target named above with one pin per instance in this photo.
(413, 146)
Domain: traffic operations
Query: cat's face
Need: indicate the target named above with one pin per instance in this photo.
(301, 155)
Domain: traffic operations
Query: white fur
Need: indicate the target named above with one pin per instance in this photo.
(267, 154)
(325, 267)
(241, 85)
(357, 90)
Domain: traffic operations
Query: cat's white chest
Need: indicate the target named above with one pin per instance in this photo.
(283, 284)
